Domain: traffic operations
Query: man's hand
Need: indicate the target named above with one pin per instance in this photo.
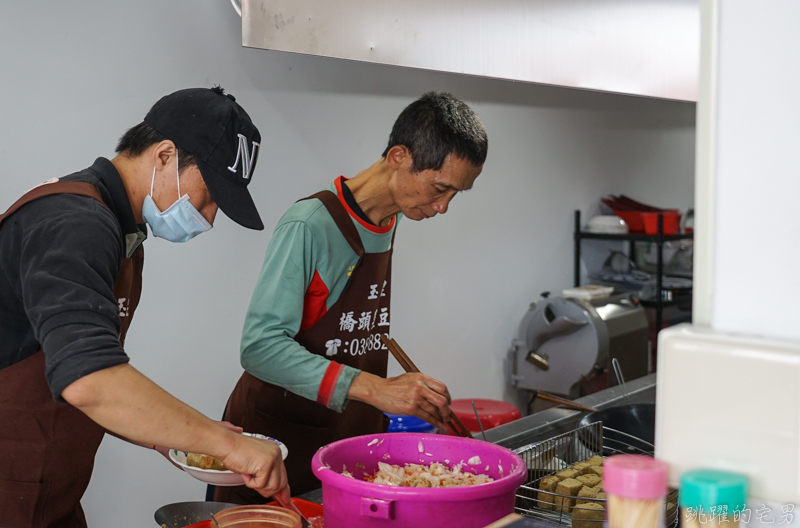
(230, 427)
(164, 451)
(261, 464)
(410, 394)
(131, 406)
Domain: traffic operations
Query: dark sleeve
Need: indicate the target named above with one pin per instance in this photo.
(69, 260)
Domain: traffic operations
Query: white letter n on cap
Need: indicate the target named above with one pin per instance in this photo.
(246, 156)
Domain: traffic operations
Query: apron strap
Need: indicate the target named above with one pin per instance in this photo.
(342, 219)
(47, 189)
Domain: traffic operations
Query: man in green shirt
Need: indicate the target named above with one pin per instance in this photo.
(315, 368)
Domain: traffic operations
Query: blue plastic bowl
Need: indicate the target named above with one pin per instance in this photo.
(409, 424)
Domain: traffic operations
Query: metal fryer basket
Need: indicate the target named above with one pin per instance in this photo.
(554, 454)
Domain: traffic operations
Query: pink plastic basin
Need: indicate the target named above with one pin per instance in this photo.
(354, 503)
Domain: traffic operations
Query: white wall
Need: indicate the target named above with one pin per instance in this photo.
(76, 74)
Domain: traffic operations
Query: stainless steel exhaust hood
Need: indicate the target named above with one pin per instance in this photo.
(638, 47)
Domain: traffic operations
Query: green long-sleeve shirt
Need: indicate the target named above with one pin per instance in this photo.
(305, 270)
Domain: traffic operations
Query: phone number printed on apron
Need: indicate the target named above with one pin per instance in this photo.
(355, 347)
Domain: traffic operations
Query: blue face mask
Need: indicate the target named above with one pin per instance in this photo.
(180, 222)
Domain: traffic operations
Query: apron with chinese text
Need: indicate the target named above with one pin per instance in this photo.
(48, 448)
(349, 333)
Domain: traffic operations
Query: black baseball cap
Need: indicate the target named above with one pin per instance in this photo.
(223, 140)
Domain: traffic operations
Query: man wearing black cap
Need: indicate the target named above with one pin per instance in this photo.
(70, 279)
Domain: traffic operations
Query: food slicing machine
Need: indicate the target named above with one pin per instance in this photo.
(565, 346)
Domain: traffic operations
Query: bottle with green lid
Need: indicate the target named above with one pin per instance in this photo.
(710, 498)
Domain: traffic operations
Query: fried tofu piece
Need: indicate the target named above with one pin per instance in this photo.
(672, 511)
(569, 487)
(204, 462)
(595, 460)
(672, 496)
(546, 499)
(586, 493)
(590, 480)
(567, 474)
(588, 515)
(600, 495)
(580, 467)
(593, 470)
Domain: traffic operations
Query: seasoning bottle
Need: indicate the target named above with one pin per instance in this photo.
(636, 489)
(711, 499)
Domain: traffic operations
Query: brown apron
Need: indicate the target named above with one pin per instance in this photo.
(348, 334)
(47, 448)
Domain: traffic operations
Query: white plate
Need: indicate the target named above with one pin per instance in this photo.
(219, 478)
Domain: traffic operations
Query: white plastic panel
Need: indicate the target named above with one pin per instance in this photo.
(730, 402)
(756, 171)
(647, 47)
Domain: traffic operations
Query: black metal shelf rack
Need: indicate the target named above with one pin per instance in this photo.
(659, 303)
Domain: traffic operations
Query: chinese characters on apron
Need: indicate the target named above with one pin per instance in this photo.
(348, 333)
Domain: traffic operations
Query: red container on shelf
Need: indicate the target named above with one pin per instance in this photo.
(633, 219)
(672, 219)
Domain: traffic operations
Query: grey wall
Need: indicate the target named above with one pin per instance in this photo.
(76, 74)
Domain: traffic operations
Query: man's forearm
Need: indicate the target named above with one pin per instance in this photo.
(127, 403)
(409, 394)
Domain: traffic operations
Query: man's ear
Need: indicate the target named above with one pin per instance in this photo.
(162, 153)
(397, 155)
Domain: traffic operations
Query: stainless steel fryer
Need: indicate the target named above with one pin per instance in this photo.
(546, 457)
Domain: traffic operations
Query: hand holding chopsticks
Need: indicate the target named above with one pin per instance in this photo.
(409, 366)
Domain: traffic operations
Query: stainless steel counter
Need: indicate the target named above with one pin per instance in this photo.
(552, 422)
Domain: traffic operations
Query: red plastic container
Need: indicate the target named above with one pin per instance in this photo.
(308, 508)
(642, 217)
(633, 219)
(672, 220)
(491, 412)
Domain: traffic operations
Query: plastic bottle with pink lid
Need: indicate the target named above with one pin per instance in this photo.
(636, 489)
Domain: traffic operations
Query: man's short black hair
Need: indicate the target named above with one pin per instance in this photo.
(435, 126)
(141, 137)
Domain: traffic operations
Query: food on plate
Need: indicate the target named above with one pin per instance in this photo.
(546, 499)
(590, 480)
(204, 462)
(595, 460)
(436, 475)
(569, 487)
(586, 493)
(588, 515)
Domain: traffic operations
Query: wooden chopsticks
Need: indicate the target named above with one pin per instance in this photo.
(563, 401)
(409, 366)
